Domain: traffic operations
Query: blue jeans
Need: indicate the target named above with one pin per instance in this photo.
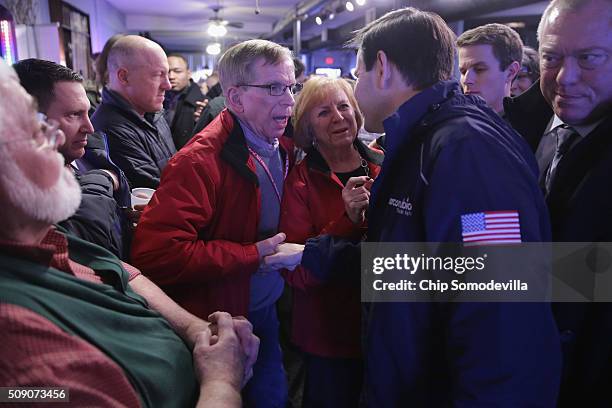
(268, 387)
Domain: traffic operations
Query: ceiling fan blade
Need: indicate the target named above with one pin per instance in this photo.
(235, 24)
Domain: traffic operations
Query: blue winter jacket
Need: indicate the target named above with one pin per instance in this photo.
(448, 154)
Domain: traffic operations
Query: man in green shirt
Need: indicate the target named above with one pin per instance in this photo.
(73, 315)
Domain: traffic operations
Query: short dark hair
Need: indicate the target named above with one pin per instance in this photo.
(429, 56)
(506, 43)
(177, 55)
(38, 77)
(299, 67)
(531, 62)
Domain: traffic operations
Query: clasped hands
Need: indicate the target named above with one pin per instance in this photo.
(275, 253)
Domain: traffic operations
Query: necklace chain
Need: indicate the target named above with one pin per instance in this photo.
(364, 166)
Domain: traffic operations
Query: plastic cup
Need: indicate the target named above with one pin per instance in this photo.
(141, 195)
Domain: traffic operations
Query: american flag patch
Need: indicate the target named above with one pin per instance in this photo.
(491, 227)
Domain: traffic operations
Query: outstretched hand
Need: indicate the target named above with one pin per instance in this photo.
(287, 256)
(268, 247)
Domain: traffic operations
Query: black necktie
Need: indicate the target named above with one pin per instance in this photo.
(565, 138)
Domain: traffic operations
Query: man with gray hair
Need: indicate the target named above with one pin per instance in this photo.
(215, 214)
(567, 119)
(139, 137)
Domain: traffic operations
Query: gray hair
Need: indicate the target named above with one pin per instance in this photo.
(235, 65)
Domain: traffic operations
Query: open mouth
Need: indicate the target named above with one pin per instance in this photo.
(281, 120)
(340, 131)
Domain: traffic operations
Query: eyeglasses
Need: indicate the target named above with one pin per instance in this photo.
(278, 89)
(49, 134)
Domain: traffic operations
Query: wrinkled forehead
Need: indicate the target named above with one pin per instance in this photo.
(17, 107)
(281, 71)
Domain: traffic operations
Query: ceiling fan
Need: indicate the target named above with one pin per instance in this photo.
(219, 21)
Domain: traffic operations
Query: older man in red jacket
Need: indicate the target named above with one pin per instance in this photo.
(215, 215)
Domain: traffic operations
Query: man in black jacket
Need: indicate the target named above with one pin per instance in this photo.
(131, 111)
(180, 104)
(62, 98)
(567, 120)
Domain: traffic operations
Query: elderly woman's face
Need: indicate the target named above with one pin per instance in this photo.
(333, 120)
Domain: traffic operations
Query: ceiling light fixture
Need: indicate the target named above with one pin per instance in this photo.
(318, 20)
(349, 6)
(360, 2)
(213, 49)
(216, 30)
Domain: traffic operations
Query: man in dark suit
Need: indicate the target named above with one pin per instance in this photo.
(567, 120)
(180, 103)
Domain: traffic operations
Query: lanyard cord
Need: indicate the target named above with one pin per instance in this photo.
(268, 173)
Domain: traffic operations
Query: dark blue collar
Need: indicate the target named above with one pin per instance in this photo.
(399, 125)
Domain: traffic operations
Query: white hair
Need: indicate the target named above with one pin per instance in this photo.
(50, 205)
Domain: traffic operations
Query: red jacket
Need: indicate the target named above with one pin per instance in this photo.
(196, 237)
(326, 318)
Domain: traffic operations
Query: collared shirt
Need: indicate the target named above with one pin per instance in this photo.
(49, 356)
(548, 144)
(266, 288)
(53, 252)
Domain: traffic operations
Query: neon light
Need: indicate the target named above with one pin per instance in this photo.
(6, 41)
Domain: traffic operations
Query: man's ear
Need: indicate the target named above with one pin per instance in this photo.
(233, 99)
(382, 70)
(122, 76)
(512, 71)
(386, 72)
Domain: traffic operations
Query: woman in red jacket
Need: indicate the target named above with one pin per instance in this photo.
(326, 318)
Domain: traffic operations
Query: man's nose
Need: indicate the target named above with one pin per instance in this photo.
(87, 126)
(569, 72)
(165, 85)
(468, 77)
(288, 98)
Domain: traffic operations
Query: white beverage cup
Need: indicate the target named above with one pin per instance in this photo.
(141, 195)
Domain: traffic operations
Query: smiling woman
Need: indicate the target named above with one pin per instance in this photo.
(326, 320)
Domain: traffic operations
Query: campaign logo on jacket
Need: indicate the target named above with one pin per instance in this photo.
(402, 206)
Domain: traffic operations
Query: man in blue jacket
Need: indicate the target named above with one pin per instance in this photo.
(451, 158)
(61, 97)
